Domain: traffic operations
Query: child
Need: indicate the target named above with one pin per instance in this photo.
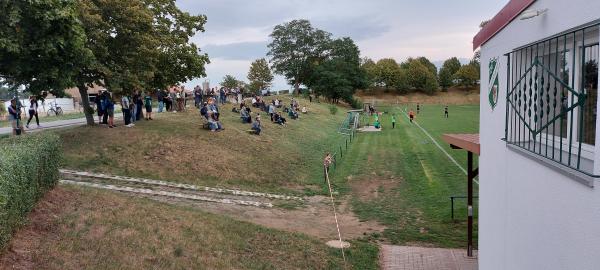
(327, 161)
(411, 115)
(148, 105)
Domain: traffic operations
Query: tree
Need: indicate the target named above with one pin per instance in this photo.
(430, 66)
(340, 74)
(180, 60)
(295, 48)
(230, 82)
(388, 73)
(420, 77)
(449, 68)
(467, 75)
(42, 45)
(259, 75)
(369, 67)
(138, 44)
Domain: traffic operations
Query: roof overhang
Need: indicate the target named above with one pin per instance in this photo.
(469, 142)
(501, 20)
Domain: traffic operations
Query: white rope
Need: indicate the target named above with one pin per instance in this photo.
(335, 215)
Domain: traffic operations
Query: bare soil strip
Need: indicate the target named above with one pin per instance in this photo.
(310, 215)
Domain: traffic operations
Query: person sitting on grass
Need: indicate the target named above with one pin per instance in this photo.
(277, 103)
(204, 110)
(278, 119)
(214, 124)
(377, 125)
(304, 110)
(256, 126)
(245, 116)
(293, 114)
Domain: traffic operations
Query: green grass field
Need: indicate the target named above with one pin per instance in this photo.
(174, 147)
(400, 178)
(397, 177)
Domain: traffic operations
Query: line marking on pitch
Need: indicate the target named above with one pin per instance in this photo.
(440, 147)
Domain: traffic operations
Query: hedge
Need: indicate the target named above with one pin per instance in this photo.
(28, 168)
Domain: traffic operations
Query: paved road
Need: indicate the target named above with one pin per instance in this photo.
(53, 125)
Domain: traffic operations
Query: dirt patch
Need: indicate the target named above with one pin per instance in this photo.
(315, 218)
(42, 221)
(371, 187)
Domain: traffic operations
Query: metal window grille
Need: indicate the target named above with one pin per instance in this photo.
(552, 90)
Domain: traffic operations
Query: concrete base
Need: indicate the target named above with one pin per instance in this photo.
(336, 244)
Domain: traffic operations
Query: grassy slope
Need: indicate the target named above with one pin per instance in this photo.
(96, 229)
(174, 147)
(416, 210)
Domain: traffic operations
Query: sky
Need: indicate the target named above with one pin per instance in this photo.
(237, 32)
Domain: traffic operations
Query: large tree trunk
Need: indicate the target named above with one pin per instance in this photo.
(85, 101)
(296, 88)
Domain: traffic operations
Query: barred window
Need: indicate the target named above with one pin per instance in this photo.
(552, 94)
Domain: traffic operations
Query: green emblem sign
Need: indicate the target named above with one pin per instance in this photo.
(493, 84)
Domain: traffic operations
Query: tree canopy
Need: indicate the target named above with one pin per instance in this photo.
(42, 44)
(449, 68)
(339, 75)
(259, 75)
(229, 81)
(295, 47)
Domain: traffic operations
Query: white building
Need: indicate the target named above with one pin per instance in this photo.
(539, 165)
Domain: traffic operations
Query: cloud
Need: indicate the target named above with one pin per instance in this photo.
(237, 51)
(237, 31)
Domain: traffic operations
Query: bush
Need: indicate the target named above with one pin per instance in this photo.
(28, 168)
(2, 109)
(356, 103)
(333, 109)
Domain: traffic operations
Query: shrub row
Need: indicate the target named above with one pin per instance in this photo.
(28, 168)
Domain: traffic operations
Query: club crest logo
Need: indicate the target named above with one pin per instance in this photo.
(493, 84)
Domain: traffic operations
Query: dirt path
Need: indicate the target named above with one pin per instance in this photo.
(308, 215)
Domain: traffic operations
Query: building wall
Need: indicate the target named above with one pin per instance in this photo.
(531, 216)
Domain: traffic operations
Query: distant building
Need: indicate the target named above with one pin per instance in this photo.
(539, 203)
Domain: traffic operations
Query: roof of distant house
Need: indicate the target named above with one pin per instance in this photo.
(501, 20)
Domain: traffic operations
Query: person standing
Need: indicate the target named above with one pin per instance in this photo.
(160, 96)
(327, 161)
(99, 106)
(411, 115)
(33, 111)
(418, 108)
(393, 121)
(110, 110)
(104, 102)
(446, 111)
(240, 95)
(139, 104)
(125, 107)
(222, 95)
(197, 96)
(14, 117)
(148, 106)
